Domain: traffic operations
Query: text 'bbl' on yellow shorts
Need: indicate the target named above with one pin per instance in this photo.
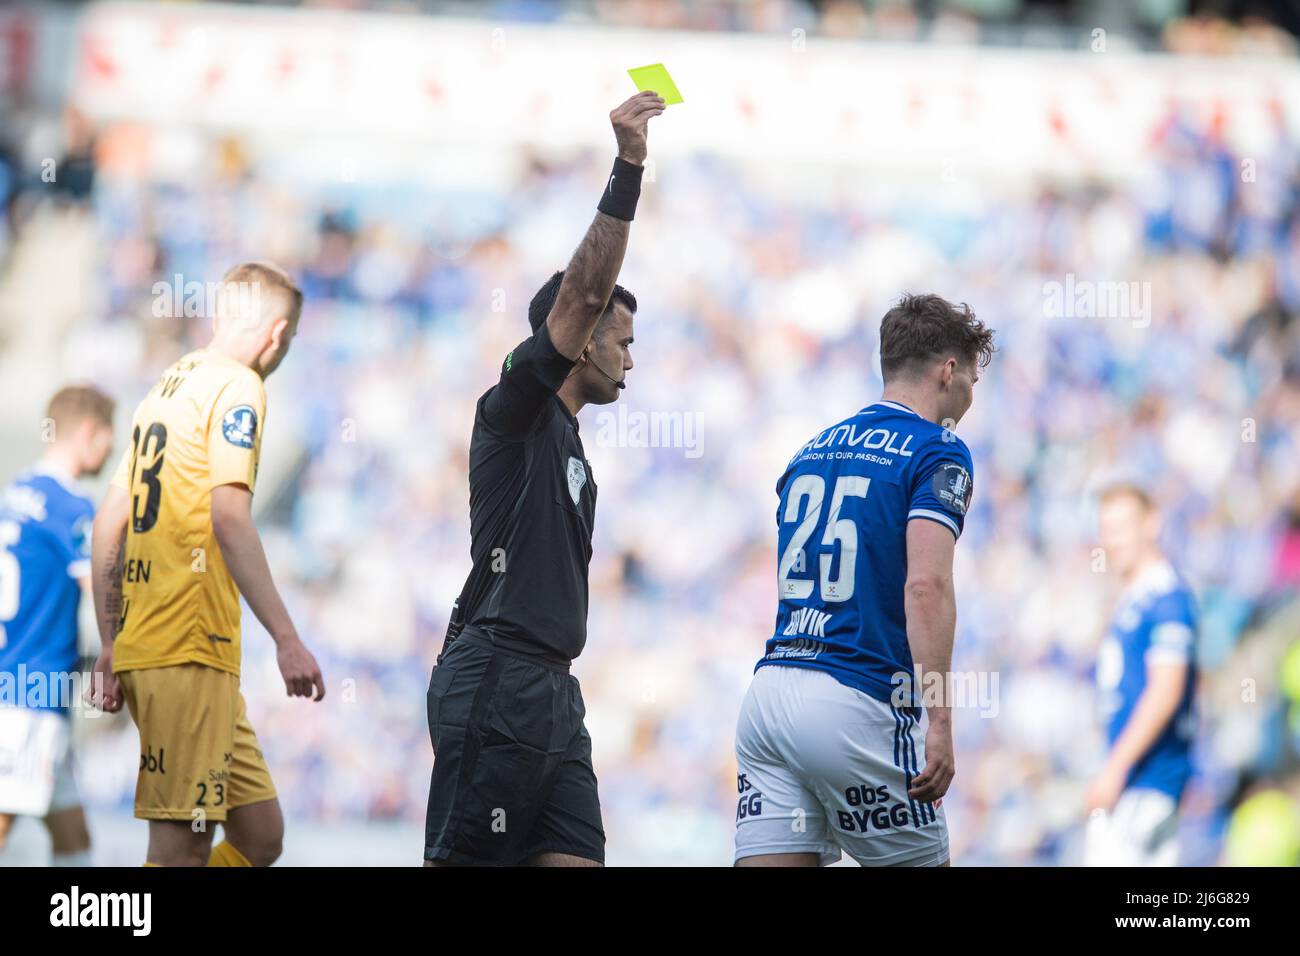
(199, 756)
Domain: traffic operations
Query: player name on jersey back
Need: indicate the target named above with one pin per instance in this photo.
(845, 501)
(199, 427)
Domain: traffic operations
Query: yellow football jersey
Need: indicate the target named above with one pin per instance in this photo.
(199, 427)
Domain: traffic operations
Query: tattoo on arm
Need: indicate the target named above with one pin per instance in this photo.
(595, 263)
(113, 571)
(588, 283)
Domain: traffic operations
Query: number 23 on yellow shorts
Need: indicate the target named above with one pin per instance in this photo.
(199, 757)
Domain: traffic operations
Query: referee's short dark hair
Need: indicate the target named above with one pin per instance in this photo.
(544, 300)
(922, 328)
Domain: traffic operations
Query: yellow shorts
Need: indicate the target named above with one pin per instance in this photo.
(198, 754)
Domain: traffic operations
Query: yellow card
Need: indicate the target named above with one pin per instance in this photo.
(655, 77)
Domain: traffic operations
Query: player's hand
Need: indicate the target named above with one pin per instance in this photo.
(299, 669)
(630, 120)
(1104, 791)
(105, 691)
(933, 781)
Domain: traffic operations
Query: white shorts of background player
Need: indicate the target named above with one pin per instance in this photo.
(37, 768)
(1142, 830)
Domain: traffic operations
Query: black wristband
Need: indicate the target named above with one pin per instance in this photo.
(622, 190)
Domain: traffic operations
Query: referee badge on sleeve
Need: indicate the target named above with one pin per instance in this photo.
(577, 478)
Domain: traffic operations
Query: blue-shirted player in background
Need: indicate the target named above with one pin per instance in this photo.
(1146, 674)
(870, 511)
(45, 521)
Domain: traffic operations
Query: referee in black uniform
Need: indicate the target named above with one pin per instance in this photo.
(512, 779)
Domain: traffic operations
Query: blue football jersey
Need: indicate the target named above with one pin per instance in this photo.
(1154, 620)
(845, 501)
(45, 526)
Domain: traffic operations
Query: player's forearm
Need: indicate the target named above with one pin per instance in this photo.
(241, 548)
(588, 283)
(107, 554)
(1151, 715)
(107, 589)
(930, 606)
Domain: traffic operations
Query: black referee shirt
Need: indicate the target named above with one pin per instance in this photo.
(532, 502)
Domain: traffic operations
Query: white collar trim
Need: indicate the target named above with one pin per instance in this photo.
(59, 474)
(895, 406)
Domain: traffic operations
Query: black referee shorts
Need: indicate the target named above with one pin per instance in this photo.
(512, 773)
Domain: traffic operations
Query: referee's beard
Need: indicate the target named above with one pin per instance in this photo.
(601, 371)
(590, 387)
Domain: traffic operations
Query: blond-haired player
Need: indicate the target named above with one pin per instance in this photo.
(1146, 676)
(174, 547)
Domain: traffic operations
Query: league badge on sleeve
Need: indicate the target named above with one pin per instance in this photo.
(239, 426)
(953, 487)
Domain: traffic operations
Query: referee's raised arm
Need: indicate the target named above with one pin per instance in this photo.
(589, 278)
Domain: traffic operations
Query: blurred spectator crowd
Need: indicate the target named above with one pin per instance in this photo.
(760, 301)
(1193, 27)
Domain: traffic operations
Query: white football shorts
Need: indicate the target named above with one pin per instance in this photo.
(1142, 830)
(37, 768)
(825, 768)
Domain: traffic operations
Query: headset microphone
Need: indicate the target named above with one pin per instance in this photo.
(604, 373)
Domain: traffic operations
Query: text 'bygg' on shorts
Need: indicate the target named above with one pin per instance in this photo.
(825, 768)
